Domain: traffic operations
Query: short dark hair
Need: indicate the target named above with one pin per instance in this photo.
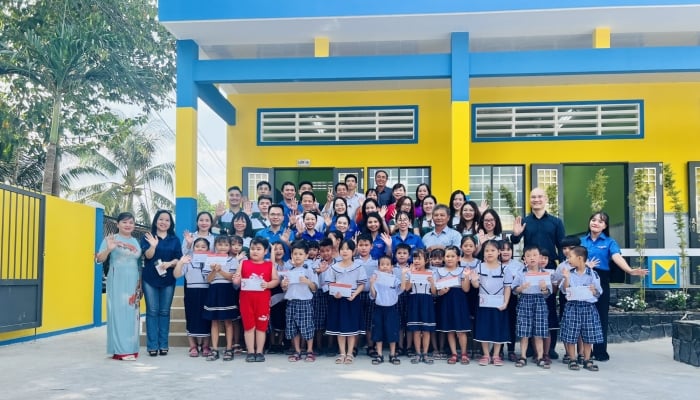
(364, 237)
(403, 246)
(236, 188)
(300, 244)
(385, 257)
(571, 241)
(335, 187)
(530, 248)
(260, 241)
(288, 183)
(325, 242)
(580, 251)
(263, 183)
(348, 176)
(302, 183)
(265, 197)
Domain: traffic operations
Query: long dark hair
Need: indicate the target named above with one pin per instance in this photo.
(154, 225)
(211, 220)
(605, 217)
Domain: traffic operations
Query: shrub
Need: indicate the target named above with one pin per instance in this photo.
(674, 301)
(632, 303)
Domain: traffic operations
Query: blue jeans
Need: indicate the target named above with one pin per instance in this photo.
(158, 302)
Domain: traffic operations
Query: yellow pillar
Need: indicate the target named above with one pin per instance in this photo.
(460, 139)
(322, 47)
(601, 37)
(186, 153)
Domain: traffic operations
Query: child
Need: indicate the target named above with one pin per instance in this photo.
(567, 244)
(278, 306)
(260, 276)
(437, 260)
(512, 268)
(313, 250)
(299, 293)
(532, 307)
(494, 293)
(421, 309)
(364, 245)
(385, 316)
(403, 254)
(222, 299)
(470, 247)
(550, 341)
(320, 300)
(344, 314)
(240, 253)
(196, 291)
(453, 316)
(581, 317)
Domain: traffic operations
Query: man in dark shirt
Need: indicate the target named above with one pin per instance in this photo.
(384, 196)
(545, 231)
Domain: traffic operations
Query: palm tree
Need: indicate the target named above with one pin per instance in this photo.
(128, 178)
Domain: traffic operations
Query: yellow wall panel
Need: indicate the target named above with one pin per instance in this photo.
(186, 152)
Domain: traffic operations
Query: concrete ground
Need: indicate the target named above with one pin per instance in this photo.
(74, 366)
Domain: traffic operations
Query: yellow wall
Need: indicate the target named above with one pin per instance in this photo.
(671, 120)
(68, 268)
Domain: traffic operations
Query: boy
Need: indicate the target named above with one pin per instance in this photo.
(299, 285)
(364, 246)
(567, 244)
(256, 277)
(385, 318)
(550, 342)
(533, 289)
(581, 317)
(320, 298)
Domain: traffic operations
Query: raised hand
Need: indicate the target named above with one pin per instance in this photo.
(189, 238)
(483, 206)
(111, 242)
(386, 238)
(220, 209)
(152, 240)
(329, 196)
(518, 226)
(186, 259)
(248, 208)
(382, 211)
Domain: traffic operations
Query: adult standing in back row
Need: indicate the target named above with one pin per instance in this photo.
(384, 194)
(541, 229)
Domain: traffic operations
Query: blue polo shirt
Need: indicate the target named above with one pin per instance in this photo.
(602, 248)
(447, 237)
(385, 197)
(379, 248)
(411, 239)
(276, 237)
(167, 249)
(545, 233)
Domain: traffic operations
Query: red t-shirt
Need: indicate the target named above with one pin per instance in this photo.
(263, 270)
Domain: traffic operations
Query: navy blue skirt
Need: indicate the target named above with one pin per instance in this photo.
(344, 317)
(421, 313)
(196, 324)
(385, 324)
(222, 303)
(493, 325)
(454, 312)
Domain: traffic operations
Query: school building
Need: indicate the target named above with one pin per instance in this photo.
(472, 95)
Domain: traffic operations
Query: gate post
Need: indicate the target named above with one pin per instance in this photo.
(97, 295)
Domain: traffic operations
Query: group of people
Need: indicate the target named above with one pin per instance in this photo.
(379, 267)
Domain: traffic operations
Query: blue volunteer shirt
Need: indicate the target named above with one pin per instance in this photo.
(602, 248)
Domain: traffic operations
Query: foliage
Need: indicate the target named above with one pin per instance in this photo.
(640, 203)
(509, 198)
(678, 217)
(489, 196)
(69, 59)
(597, 188)
(632, 303)
(552, 192)
(676, 301)
(203, 203)
(127, 178)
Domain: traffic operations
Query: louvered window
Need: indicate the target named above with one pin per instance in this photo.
(338, 126)
(498, 122)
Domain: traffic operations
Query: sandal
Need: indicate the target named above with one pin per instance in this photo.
(566, 359)
(163, 352)
(259, 357)
(484, 361)
(542, 363)
(498, 361)
(588, 364)
(349, 359)
(452, 359)
(340, 359)
(522, 361)
(411, 352)
(464, 360)
(152, 353)
(372, 352)
(294, 357)
(580, 359)
(417, 359)
(573, 365)
(206, 351)
(194, 352)
(394, 360)
(237, 349)
(213, 356)
(379, 359)
(428, 359)
(250, 357)
(310, 357)
(512, 357)
(228, 355)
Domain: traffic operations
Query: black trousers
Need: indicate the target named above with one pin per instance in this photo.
(603, 306)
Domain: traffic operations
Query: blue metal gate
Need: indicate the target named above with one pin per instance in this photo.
(21, 258)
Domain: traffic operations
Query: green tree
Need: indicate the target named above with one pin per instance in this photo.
(203, 203)
(76, 57)
(127, 178)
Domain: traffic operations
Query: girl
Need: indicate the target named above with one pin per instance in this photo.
(469, 217)
(260, 276)
(424, 224)
(309, 232)
(385, 316)
(421, 309)
(453, 315)
(381, 240)
(603, 248)
(512, 267)
(422, 191)
(244, 228)
(222, 299)
(196, 293)
(204, 224)
(457, 200)
(469, 245)
(493, 282)
(278, 305)
(405, 205)
(345, 315)
(161, 251)
(123, 289)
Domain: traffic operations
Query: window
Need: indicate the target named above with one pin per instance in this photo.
(365, 125)
(547, 121)
(485, 183)
(411, 177)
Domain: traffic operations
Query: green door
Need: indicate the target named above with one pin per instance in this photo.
(320, 178)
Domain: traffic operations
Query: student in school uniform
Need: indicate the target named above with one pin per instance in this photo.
(581, 319)
(532, 307)
(402, 256)
(421, 308)
(385, 317)
(299, 292)
(364, 246)
(512, 268)
(320, 298)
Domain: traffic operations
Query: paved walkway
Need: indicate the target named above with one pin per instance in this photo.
(74, 366)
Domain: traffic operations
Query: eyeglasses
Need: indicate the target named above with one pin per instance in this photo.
(489, 220)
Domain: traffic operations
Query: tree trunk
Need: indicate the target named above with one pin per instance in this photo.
(52, 149)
